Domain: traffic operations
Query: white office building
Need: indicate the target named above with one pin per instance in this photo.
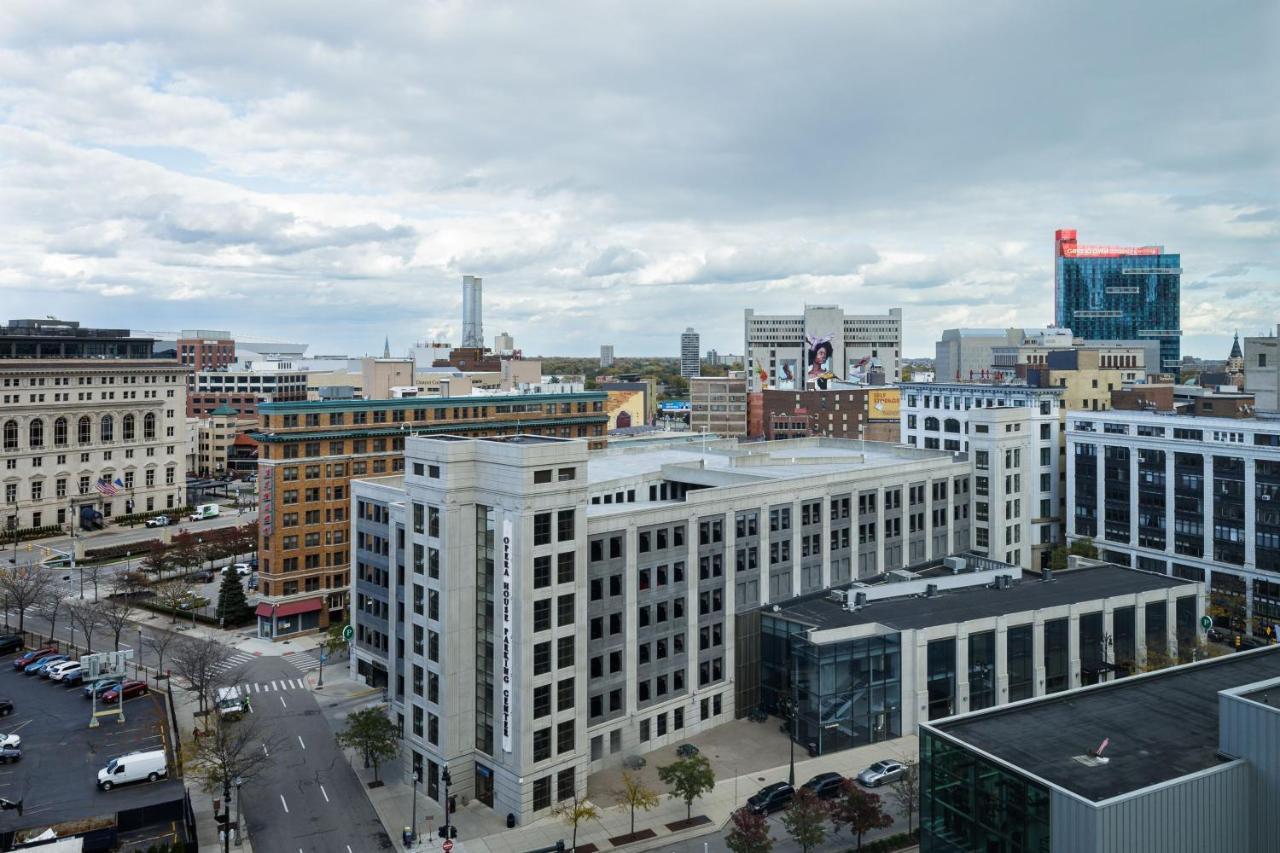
(820, 348)
(1194, 497)
(538, 612)
(1018, 428)
(690, 353)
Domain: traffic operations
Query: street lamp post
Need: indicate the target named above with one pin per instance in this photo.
(444, 777)
(413, 824)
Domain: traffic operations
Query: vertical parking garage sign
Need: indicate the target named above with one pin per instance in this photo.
(505, 606)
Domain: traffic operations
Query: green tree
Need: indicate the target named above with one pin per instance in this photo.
(635, 794)
(688, 779)
(333, 641)
(1084, 548)
(575, 812)
(370, 733)
(860, 810)
(806, 820)
(233, 607)
(749, 833)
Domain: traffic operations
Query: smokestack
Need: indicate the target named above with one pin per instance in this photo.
(472, 311)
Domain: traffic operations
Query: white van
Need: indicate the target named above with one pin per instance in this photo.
(133, 767)
(229, 702)
(204, 511)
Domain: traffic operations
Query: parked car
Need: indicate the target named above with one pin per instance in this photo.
(99, 687)
(73, 677)
(11, 740)
(824, 786)
(21, 661)
(134, 767)
(771, 798)
(203, 576)
(129, 689)
(9, 754)
(881, 773)
(10, 643)
(51, 672)
(6, 707)
(686, 750)
(242, 569)
(158, 521)
(1216, 635)
(39, 665)
(66, 670)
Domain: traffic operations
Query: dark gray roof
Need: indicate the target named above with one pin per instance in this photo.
(979, 602)
(1162, 726)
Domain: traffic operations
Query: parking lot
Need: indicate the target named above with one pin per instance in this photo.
(61, 755)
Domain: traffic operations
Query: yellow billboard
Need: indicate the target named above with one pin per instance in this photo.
(883, 404)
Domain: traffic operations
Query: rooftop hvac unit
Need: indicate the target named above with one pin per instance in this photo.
(955, 564)
(931, 590)
(900, 575)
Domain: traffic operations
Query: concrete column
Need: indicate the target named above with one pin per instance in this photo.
(1073, 647)
(880, 533)
(795, 548)
(1133, 497)
(1139, 633)
(1037, 653)
(1250, 517)
(825, 509)
(1002, 660)
(962, 670)
(763, 556)
(1109, 634)
(922, 680)
(1171, 623)
(1210, 498)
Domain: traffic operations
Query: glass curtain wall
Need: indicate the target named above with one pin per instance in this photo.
(1126, 643)
(1021, 663)
(942, 678)
(1092, 653)
(1157, 635)
(968, 803)
(1056, 659)
(982, 670)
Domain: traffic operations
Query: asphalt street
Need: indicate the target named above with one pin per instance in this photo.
(306, 798)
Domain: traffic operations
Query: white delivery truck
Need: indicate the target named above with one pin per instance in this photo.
(133, 767)
(230, 703)
(204, 511)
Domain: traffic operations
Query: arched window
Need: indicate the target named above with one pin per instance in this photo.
(35, 433)
(84, 430)
(931, 423)
(951, 425)
(10, 435)
(126, 428)
(60, 432)
(107, 432)
(149, 426)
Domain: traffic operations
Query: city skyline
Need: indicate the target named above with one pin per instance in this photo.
(191, 167)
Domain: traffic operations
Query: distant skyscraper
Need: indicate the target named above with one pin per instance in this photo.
(606, 355)
(472, 311)
(1118, 293)
(690, 353)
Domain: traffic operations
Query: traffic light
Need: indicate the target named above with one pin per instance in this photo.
(449, 831)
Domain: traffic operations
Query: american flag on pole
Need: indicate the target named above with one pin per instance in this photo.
(106, 487)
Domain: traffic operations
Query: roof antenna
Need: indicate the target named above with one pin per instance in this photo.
(1097, 753)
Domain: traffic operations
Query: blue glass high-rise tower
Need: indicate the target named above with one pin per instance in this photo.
(1119, 293)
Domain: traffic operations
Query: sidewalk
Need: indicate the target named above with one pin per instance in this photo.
(480, 830)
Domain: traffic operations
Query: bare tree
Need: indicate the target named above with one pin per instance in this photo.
(50, 605)
(23, 586)
(88, 615)
(200, 663)
(905, 791)
(94, 573)
(116, 612)
(130, 584)
(228, 753)
(173, 594)
(159, 642)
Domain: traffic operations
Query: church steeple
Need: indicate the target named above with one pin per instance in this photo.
(1235, 348)
(386, 348)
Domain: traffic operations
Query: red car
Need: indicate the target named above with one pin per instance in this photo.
(21, 661)
(130, 689)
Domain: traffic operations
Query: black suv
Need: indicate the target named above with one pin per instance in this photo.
(6, 707)
(825, 786)
(10, 643)
(771, 798)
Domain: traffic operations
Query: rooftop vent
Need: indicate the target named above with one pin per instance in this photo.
(1046, 574)
(931, 590)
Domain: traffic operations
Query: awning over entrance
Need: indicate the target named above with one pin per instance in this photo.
(289, 608)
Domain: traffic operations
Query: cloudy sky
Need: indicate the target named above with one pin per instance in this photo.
(327, 172)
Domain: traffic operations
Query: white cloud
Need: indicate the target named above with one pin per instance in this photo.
(616, 171)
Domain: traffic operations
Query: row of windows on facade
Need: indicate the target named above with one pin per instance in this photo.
(65, 381)
(36, 488)
(85, 396)
(959, 403)
(383, 416)
(1260, 439)
(359, 446)
(36, 431)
